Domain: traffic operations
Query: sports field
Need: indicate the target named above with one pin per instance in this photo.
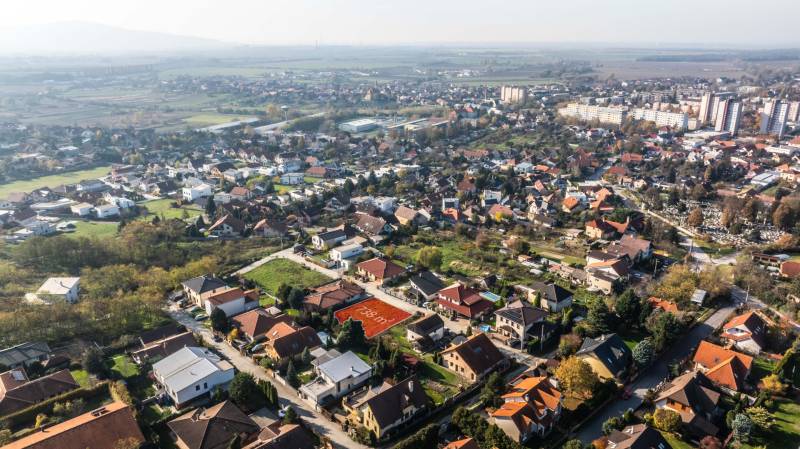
(375, 315)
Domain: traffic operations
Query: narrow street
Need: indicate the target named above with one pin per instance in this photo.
(318, 423)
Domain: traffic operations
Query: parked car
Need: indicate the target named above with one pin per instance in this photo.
(201, 317)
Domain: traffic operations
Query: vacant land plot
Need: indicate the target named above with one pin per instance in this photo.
(164, 207)
(53, 180)
(94, 229)
(375, 315)
(272, 274)
(212, 119)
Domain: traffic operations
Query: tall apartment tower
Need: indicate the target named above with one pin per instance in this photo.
(511, 94)
(709, 104)
(794, 111)
(774, 117)
(729, 113)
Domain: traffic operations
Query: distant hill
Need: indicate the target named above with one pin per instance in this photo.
(93, 38)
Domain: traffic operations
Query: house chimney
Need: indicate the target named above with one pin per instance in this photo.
(411, 386)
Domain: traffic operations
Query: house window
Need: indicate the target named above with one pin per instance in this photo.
(197, 388)
(205, 386)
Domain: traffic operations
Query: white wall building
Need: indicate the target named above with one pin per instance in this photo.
(612, 115)
(198, 191)
(190, 373)
(774, 117)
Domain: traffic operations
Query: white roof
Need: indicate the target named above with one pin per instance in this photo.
(344, 366)
(57, 286)
(188, 366)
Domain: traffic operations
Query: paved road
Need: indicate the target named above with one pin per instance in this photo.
(655, 374)
(321, 425)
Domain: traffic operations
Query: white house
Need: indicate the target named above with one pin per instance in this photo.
(63, 288)
(335, 378)
(39, 227)
(106, 210)
(199, 191)
(343, 252)
(190, 373)
(291, 179)
(232, 301)
(81, 209)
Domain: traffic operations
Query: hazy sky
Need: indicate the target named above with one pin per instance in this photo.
(275, 22)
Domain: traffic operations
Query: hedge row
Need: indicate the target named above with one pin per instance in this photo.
(28, 415)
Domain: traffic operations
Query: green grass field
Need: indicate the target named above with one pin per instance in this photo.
(94, 229)
(82, 377)
(786, 430)
(272, 274)
(164, 207)
(208, 119)
(53, 180)
(124, 366)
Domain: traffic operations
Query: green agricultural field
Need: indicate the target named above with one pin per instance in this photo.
(164, 207)
(208, 119)
(272, 274)
(94, 229)
(53, 180)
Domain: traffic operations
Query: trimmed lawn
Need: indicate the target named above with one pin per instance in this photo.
(280, 188)
(53, 180)
(761, 368)
(96, 229)
(124, 366)
(786, 431)
(676, 442)
(82, 377)
(212, 119)
(312, 179)
(164, 207)
(272, 274)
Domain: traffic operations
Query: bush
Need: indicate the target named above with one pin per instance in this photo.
(25, 416)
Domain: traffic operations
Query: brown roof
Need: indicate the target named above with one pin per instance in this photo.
(166, 346)
(257, 322)
(333, 294)
(213, 428)
(406, 213)
(102, 428)
(790, 269)
(466, 443)
(225, 296)
(287, 436)
(25, 394)
(381, 268)
(387, 405)
(236, 224)
(240, 191)
(478, 353)
(369, 224)
(296, 342)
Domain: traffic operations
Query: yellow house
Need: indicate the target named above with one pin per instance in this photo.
(473, 359)
(608, 356)
(387, 408)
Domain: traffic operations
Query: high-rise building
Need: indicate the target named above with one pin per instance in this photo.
(794, 111)
(511, 94)
(774, 117)
(677, 120)
(729, 113)
(588, 113)
(709, 104)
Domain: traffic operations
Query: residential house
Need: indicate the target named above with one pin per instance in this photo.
(157, 350)
(232, 301)
(605, 229)
(407, 216)
(608, 356)
(108, 427)
(464, 301)
(572, 205)
(214, 427)
(636, 249)
(518, 319)
(64, 289)
(606, 275)
(196, 288)
(466, 443)
(24, 354)
(106, 211)
(190, 373)
(789, 269)
(292, 179)
(227, 226)
(271, 228)
(473, 359)
(379, 270)
(726, 368)
(551, 296)
(193, 193)
(241, 193)
(693, 397)
(426, 284)
(333, 295)
(82, 209)
(336, 378)
(375, 228)
(748, 332)
(531, 407)
(329, 239)
(17, 392)
(426, 331)
(638, 436)
(386, 409)
(291, 343)
(346, 255)
(283, 436)
(258, 322)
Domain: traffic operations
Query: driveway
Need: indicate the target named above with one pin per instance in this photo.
(654, 375)
(318, 423)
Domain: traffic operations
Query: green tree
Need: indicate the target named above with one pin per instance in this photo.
(612, 424)
(245, 392)
(573, 444)
(643, 353)
(664, 328)
(628, 308)
(429, 257)
(291, 416)
(219, 320)
(741, 427)
(211, 208)
(425, 438)
(761, 417)
(291, 375)
(599, 317)
(576, 377)
(94, 363)
(490, 394)
(666, 420)
(351, 335)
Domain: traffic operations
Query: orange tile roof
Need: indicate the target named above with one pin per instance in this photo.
(663, 304)
(571, 202)
(710, 355)
(466, 443)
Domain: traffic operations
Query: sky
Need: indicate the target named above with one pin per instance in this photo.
(761, 23)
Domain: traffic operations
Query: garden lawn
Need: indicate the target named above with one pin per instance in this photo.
(786, 431)
(164, 207)
(81, 376)
(94, 229)
(124, 366)
(53, 180)
(676, 442)
(761, 368)
(272, 274)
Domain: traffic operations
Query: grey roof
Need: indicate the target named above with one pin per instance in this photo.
(202, 284)
(427, 282)
(344, 366)
(23, 353)
(187, 366)
(522, 313)
(552, 292)
(332, 235)
(426, 325)
(610, 350)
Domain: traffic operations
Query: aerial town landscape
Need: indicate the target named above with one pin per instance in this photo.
(454, 246)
